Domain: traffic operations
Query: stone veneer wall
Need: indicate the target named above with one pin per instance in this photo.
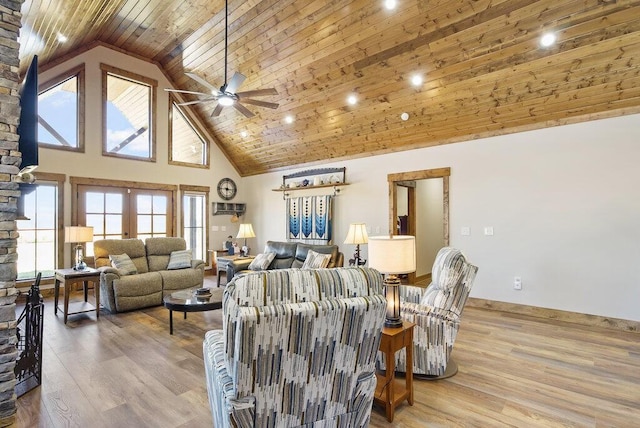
(10, 159)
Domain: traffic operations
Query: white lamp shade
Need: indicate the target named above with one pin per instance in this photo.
(357, 234)
(246, 231)
(76, 234)
(392, 254)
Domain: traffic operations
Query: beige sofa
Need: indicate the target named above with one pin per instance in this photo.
(153, 281)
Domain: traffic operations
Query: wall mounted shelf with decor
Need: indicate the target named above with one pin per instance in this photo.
(227, 208)
(313, 179)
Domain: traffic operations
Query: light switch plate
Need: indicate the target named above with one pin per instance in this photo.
(465, 231)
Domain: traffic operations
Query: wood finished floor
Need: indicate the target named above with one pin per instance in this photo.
(126, 370)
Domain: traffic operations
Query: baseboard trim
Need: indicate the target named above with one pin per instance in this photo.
(555, 314)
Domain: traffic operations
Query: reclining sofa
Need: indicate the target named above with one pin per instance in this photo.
(297, 348)
(288, 255)
(121, 291)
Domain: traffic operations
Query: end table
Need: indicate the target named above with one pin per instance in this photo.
(68, 277)
(388, 394)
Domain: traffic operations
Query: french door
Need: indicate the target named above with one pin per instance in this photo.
(119, 212)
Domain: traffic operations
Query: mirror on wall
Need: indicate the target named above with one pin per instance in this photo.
(419, 206)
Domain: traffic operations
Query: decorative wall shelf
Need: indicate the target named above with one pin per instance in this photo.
(228, 208)
(313, 179)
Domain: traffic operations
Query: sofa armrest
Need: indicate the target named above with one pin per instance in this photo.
(198, 264)
(108, 274)
(225, 407)
(236, 266)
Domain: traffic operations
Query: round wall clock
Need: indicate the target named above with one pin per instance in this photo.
(227, 189)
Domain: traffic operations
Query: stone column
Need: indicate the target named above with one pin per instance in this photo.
(10, 159)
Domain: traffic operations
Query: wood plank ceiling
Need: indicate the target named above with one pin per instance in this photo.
(484, 72)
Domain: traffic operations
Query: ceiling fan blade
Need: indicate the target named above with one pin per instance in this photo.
(203, 100)
(259, 103)
(235, 82)
(187, 92)
(257, 93)
(203, 82)
(216, 111)
(242, 109)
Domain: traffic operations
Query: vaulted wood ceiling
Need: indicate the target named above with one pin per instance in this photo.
(483, 68)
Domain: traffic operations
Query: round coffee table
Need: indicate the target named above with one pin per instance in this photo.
(186, 301)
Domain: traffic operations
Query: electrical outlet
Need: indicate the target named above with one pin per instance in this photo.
(465, 231)
(517, 283)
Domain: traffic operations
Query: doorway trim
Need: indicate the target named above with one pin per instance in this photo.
(397, 179)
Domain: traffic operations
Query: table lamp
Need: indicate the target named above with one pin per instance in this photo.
(78, 235)
(357, 235)
(392, 256)
(246, 231)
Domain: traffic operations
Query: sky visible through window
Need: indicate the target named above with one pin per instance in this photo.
(59, 108)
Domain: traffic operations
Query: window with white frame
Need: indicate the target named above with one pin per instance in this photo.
(194, 220)
(38, 240)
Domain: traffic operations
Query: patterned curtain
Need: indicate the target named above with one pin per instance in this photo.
(309, 219)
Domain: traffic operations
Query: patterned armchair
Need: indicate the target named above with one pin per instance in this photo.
(436, 311)
(297, 348)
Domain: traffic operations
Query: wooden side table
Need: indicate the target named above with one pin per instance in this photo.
(388, 394)
(68, 277)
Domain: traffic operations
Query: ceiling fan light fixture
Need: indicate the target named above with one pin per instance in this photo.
(226, 100)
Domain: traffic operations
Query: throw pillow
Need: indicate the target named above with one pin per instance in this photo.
(123, 263)
(262, 261)
(316, 260)
(179, 260)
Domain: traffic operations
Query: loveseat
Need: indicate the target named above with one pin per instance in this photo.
(123, 290)
(287, 255)
(297, 348)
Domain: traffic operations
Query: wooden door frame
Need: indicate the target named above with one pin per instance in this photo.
(77, 181)
(397, 179)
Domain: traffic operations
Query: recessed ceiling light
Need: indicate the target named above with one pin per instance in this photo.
(404, 116)
(352, 99)
(390, 4)
(416, 80)
(288, 119)
(547, 39)
(244, 134)
(62, 38)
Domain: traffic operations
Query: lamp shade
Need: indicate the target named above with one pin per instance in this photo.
(246, 231)
(392, 254)
(75, 234)
(357, 234)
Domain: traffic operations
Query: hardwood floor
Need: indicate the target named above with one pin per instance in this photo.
(125, 370)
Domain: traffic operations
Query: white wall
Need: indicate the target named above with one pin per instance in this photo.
(92, 164)
(429, 227)
(563, 203)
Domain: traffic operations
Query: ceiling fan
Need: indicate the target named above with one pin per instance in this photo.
(227, 95)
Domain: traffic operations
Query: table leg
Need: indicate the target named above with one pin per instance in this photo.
(409, 359)
(391, 374)
(85, 286)
(56, 294)
(96, 291)
(67, 290)
(185, 315)
(170, 321)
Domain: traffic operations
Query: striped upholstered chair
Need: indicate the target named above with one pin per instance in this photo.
(297, 348)
(436, 311)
